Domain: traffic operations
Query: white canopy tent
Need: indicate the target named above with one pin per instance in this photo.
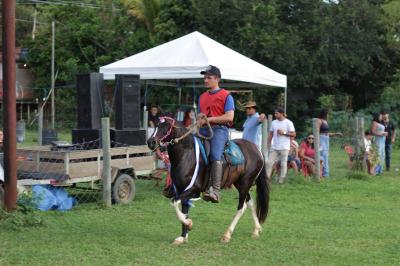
(185, 57)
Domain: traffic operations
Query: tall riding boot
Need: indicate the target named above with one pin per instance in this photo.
(216, 177)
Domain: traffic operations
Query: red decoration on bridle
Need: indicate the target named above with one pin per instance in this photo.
(170, 121)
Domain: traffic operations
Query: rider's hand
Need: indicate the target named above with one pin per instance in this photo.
(200, 116)
(201, 119)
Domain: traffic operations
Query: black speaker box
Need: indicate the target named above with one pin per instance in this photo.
(128, 136)
(88, 138)
(49, 135)
(90, 100)
(127, 101)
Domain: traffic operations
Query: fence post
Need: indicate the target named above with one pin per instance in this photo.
(269, 121)
(360, 163)
(106, 178)
(146, 121)
(361, 136)
(316, 147)
(40, 126)
(264, 138)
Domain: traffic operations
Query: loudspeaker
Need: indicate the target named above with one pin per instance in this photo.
(88, 138)
(48, 135)
(90, 100)
(128, 136)
(127, 101)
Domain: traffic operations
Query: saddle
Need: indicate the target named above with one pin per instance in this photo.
(233, 161)
(233, 155)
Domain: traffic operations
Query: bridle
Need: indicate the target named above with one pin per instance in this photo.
(193, 129)
(171, 122)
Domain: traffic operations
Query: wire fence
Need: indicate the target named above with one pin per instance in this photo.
(77, 169)
(349, 153)
(74, 171)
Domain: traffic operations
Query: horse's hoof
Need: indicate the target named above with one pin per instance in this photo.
(225, 238)
(257, 232)
(189, 224)
(180, 240)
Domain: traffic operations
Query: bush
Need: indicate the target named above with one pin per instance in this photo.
(25, 215)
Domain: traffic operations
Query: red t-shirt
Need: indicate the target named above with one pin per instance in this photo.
(308, 151)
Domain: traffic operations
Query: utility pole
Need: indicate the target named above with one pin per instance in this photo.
(9, 109)
(53, 108)
(34, 23)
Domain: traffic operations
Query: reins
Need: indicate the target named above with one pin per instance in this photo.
(193, 129)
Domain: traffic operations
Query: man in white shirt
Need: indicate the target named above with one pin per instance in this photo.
(279, 135)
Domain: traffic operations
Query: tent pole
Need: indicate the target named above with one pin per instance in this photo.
(145, 114)
(194, 95)
(285, 104)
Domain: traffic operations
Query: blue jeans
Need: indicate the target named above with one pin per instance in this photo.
(217, 143)
(388, 154)
(324, 141)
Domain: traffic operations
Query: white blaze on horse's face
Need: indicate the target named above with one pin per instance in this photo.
(154, 132)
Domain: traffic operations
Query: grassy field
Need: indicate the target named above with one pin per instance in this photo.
(339, 221)
(31, 137)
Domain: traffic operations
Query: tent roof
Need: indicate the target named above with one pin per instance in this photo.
(185, 57)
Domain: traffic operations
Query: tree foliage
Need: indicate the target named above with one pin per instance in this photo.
(350, 49)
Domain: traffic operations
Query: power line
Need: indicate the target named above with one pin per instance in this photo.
(66, 3)
(30, 21)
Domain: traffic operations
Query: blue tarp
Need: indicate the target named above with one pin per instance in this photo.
(52, 198)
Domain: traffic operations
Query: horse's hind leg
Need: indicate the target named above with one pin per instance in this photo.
(257, 227)
(240, 210)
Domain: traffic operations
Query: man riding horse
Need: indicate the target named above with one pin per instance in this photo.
(218, 106)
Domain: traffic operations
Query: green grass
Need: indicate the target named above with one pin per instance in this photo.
(31, 138)
(339, 221)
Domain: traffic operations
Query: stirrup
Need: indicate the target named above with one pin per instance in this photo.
(211, 196)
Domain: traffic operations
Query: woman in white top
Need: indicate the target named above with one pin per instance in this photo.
(378, 130)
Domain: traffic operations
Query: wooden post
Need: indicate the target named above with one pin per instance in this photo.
(9, 101)
(361, 136)
(359, 163)
(106, 178)
(146, 121)
(40, 126)
(29, 113)
(269, 121)
(317, 157)
(53, 108)
(264, 138)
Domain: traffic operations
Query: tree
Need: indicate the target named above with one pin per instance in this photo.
(146, 11)
(84, 42)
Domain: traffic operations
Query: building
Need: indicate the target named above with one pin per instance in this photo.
(26, 100)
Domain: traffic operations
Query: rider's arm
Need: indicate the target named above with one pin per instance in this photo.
(225, 118)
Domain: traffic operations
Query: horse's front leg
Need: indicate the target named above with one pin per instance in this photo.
(187, 223)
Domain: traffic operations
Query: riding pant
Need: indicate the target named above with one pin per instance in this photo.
(217, 143)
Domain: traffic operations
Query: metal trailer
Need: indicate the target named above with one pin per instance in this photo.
(41, 165)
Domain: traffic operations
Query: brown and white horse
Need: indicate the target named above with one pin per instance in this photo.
(190, 176)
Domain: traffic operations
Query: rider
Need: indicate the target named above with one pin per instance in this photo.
(218, 106)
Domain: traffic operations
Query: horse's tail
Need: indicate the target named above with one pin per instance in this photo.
(262, 195)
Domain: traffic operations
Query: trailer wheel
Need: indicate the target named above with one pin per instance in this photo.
(123, 189)
(1, 197)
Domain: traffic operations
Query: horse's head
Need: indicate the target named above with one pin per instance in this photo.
(163, 133)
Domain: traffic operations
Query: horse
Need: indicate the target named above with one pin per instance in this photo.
(185, 163)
